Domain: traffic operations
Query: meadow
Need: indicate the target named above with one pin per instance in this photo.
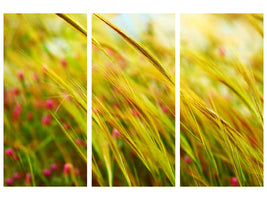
(133, 100)
(221, 93)
(45, 100)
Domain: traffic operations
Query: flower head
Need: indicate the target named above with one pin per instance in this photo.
(67, 169)
(46, 120)
(164, 109)
(28, 179)
(53, 166)
(79, 142)
(115, 133)
(9, 181)
(187, 159)
(47, 172)
(63, 62)
(67, 126)
(16, 175)
(9, 152)
(49, 104)
(21, 75)
(16, 112)
(234, 181)
(15, 91)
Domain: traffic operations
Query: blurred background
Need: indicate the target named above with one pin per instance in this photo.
(45, 76)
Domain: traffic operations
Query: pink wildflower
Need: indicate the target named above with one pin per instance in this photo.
(20, 75)
(47, 172)
(16, 112)
(63, 62)
(9, 152)
(53, 166)
(187, 159)
(46, 120)
(16, 175)
(164, 109)
(28, 179)
(115, 133)
(234, 181)
(67, 169)
(9, 181)
(49, 104)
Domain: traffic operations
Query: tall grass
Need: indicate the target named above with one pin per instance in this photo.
(45, 100)
(221, 100)
(133, 104)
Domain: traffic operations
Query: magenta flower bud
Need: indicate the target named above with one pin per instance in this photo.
(164, 109)
(20, 75)
(28, 179)
(78, 142)
(63, 62)
(9, 152)
(115, 133)
(67, 168)
(53, 166)
(234, 181)
(46, 120)
(16, 175)
(67, 126)
(47, 172)
(187, 159)
(16, 112)
(49, 104)
(15, 91)
(9, 181)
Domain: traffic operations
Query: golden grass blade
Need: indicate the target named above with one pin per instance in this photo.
(71, 138)
(140, 48)
(82, 102)
(254, 22)
(73, 23)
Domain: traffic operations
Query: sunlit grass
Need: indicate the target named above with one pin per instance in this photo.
(133, 103)
(221, 100)
(45, 107)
